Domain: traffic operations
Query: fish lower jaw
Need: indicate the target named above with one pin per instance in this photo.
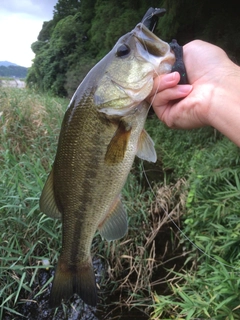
(164, 67)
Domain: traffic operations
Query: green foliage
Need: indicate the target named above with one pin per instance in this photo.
(82, 32)
(188, 20)
(207, 284)
(37, 46)
(57, 59)
(46, 31)
(175, 148)
(125, 18)
(65, 8)
(29, 127)
(214, 194)
(76, 73)
(211, 293)
(210, 288)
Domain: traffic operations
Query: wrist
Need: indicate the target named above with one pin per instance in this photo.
(224, 107)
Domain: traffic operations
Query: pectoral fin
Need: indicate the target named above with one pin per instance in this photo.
(118, 145)
(115, 224)
(47, 200)
(146, 150)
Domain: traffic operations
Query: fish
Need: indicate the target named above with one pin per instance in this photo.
(101, 133)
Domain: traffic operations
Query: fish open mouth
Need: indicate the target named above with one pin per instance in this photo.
(153, 49)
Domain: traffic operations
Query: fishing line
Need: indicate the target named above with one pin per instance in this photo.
(145, 47)
(149, 184)
(155, 69)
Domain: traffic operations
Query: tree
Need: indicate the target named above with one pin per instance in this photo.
(82, 32)
(46, 31)
(64, 8)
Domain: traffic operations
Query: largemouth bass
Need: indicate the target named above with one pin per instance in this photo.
(101, 133)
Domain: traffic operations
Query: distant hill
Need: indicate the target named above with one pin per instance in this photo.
(10, 70)
(7, 64)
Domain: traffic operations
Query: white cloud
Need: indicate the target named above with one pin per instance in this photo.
(41, 9)
(20, 24)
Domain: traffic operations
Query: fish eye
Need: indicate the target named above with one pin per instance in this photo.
(123, 50)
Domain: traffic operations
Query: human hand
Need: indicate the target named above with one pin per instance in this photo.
(208, 68)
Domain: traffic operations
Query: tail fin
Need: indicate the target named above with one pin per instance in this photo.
(70, 279)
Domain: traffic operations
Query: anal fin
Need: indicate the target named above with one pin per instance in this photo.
(47, 200)
(115, 224)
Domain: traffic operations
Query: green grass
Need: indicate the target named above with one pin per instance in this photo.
(155, 267)
(29, 127)
(209, 288)
(135, 260)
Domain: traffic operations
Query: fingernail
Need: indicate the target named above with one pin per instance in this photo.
(170, 77)
(185, 88)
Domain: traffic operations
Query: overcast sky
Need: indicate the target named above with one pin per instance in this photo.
(20, 23)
